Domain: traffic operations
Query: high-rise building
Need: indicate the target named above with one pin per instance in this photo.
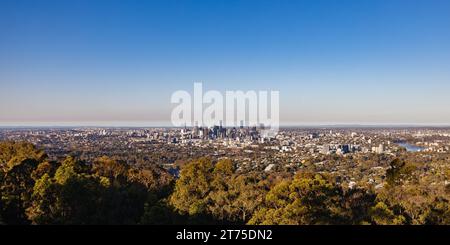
(345, 149)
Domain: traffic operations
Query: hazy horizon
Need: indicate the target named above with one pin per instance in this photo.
(169, 125)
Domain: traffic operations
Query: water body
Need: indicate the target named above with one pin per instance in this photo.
(410, 148)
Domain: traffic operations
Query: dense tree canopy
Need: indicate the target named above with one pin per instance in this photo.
(313, 199)
(37, 190)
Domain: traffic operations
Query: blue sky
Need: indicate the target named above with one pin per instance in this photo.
(118, 62)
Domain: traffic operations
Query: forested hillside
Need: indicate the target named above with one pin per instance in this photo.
(35, 190)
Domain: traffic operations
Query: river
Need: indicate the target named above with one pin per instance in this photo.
(410, 148)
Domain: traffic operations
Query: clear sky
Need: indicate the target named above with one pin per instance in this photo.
(117, 62)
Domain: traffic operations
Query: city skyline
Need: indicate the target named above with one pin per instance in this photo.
(87, 63)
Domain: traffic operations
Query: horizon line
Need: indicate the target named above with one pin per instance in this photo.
(299, 125)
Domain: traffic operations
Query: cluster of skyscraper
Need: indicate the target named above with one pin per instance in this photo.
(221, 132)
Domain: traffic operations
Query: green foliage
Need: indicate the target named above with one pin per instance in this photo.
(235, 198)
(192, 189)
(303, 200)
(398, 172)
(74, 192)
(157, 214)
(439, 212)
(382, 214)
(48, 168)
(213, 190)
(70, 198)
(17, 163)
(111, 169)
(16, 191)
(356, 205)
(313, 199)
(35, 190)
(13, 153)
